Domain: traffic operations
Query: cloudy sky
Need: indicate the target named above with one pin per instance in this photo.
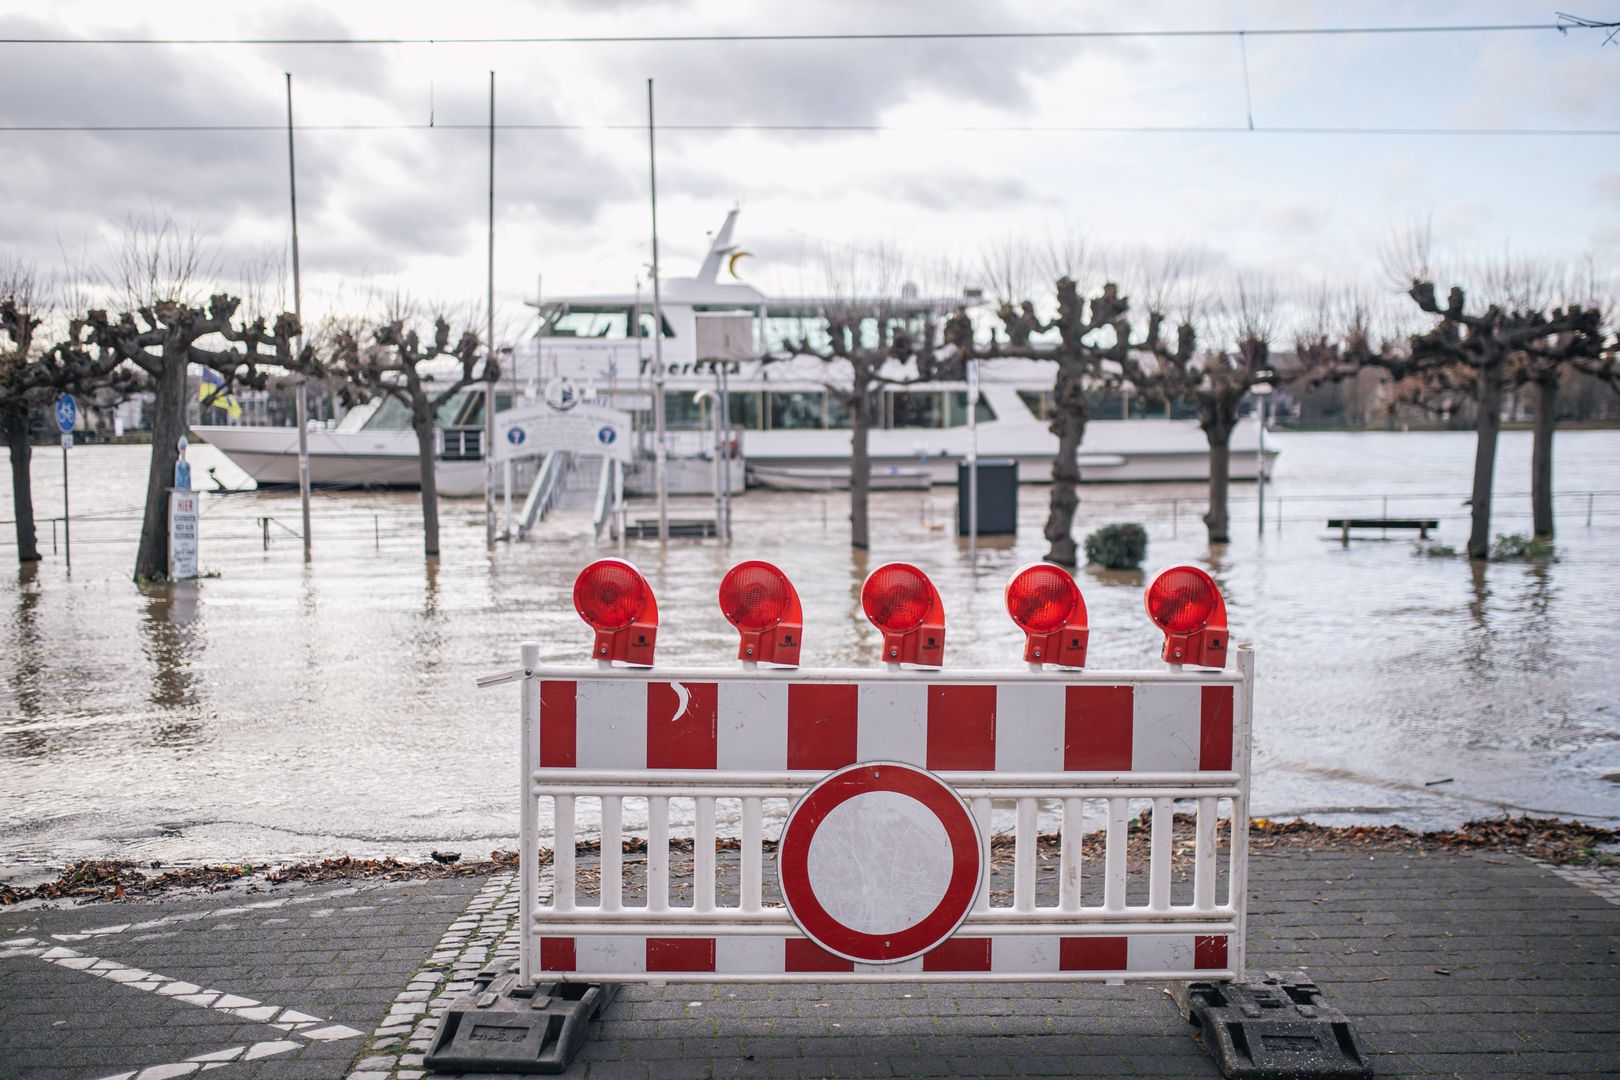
(405, 209)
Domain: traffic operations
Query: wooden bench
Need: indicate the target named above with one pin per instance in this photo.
(1344, 525)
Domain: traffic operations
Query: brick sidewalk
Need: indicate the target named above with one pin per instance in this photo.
(1449, 964)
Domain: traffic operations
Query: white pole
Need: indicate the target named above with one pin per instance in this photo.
(973, 463)
(725, 464)
(660, 457)
(298, 312)
(489, 347)
(1260, 461)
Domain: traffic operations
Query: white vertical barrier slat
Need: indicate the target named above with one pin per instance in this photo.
(1114, 857)
(703, 854)
(1238, 877)
(1159, 854)
(1204, 865)
(981, 816)
(612, 882)
(752, 854)
(562, 853)
(528, 813)
(1024, 841)
(1069, 858)
(658, 853)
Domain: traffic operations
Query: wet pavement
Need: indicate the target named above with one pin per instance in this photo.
(1460, 965)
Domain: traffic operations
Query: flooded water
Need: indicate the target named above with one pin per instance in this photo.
(276, 710)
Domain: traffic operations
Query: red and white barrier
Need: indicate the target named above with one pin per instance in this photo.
(863, 803)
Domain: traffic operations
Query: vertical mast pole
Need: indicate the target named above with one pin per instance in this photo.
(489, 344)
(660, 456)
(298, 312)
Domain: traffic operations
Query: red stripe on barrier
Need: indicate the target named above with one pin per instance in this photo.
(1215, 730)
(1092, 954)
(962, 727)
(821, 727)
(681, 723)
(1209, 953)
(805, 955)
(680, 954)
(1097, 728)
(959, 954)
(557, 954)
(557, 724)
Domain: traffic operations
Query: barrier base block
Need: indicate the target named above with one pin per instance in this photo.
(504, 1026)
(1275, 1027)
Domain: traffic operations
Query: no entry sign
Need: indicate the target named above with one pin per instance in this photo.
(880, 862)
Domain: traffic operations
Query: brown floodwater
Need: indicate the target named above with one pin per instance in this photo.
(275, 710)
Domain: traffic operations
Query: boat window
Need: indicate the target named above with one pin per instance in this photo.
(596, 321)
(797, 409)
(956, 409)
(838, 412)
(684, 412)
(745, 411)
(915, 409)
(1038, 402)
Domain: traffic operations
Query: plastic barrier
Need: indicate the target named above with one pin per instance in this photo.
(764, 823)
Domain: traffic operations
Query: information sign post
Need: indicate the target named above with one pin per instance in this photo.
(67, 415)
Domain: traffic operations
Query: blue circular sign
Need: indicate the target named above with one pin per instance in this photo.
(515, 436)
(606, 436)
(67, 413)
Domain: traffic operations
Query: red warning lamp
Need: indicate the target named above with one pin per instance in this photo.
(760, 601)
(1047, 606)
(1184, 602)
(613, 597)
(899, 600)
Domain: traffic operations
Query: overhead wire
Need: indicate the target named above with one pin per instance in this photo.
(1563, 26)
(920, 129)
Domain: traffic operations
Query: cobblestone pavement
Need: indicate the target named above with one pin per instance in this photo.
(1463, 965)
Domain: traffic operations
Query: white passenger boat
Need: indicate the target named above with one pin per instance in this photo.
(785, 426)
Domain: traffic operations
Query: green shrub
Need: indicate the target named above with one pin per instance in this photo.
(1118, 547)
(1434, 551)
(1516, 547)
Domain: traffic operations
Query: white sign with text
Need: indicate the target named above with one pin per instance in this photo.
(182, 535)
(531, 430)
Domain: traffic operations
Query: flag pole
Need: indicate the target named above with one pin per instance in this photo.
(298, 313)
(660, 457)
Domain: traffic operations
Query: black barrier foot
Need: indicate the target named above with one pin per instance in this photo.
(504, 1026)
(1276, 1027)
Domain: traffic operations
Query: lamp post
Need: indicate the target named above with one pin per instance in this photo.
(1263, 392)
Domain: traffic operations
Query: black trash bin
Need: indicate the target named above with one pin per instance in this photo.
(998, 497)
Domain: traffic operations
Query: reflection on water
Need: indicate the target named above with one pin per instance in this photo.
(284, 710)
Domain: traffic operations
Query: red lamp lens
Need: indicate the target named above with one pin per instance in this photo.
(1181, 599)
(897, 598)
(1041, 599)
(754, 596)
(609, 595)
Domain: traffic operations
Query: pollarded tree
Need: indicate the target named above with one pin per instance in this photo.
(867, 344)
(1489, 341)
(163, 340)
(393, 360)
(31, 376)
(1090, 349)
(1218, 380)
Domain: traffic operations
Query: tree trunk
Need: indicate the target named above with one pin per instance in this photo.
(423, 425)
(168, 424)
(860, 465)
(1488, 424)
(15, 419)
(1069, 425)
(1218, 520)
(1541, 458)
